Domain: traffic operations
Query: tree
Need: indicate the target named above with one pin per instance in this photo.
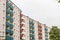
(58, 0)
(54, 33)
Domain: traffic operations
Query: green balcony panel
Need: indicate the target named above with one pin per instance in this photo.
(7, 17)
(46, 38)
(7, 24)
(11, 25)
(46, 29)
(31, 27)
(9, 31)
(11, 19)
(9, 5)
(30, 22)
(31, 35)
(31, 31)
(11, 12)
(7, 11)
(32, 39)
(46, 35)
(9, 38)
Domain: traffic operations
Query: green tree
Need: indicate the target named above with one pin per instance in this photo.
(54, 33)
(58, 0)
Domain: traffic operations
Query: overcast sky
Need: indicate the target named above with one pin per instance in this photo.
(45, 11)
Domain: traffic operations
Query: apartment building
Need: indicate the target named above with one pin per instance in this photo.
(9, 20)
(16, 26)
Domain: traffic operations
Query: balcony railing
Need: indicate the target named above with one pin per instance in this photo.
(46, 35)
(8, 11)
(31, 35)
(9, 5)
(46, 29)
(7, 17)
(11, 19)
(9, 25)
(31, 31)
(9, 38)
(46, 38)
(31, 27)
(9, 31)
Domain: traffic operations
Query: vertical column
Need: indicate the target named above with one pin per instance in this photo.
(36, 29)
(9, 20)
(31, 29)
(2, 19)
(39, 31)
(46, 32)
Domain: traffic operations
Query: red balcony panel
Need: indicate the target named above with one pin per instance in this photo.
(21, 30)
(40, 33)
(21, 15)
(21, 25)
(40, 37)
(21, 35)
(40, 30)
(39, 26)
(21, 20)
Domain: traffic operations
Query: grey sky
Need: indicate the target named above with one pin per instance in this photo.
(45, 11)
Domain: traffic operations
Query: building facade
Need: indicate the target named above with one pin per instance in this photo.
(16, 26)
(9, 20)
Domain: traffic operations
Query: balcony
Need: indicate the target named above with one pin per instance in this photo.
(21, 30)
(40, 37)
(21, 35)
(31, 27)
(9, 5)
(46, 29)
(31, 31)
(46, 38)
(31, 23)
(9, 31)
(21, 14)
(7, 11)
(11, 19)
(39, 26)
(21, 20)
(7, 17)
(32, 39)
(21, 25)
(9, 25)
(31, 35)
(46, 35)
(11, 13)
(9, 38)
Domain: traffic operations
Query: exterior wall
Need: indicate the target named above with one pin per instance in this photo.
(36, 29)
(43, 31)
(31, 29)
(2, 19)
(40, 31)
(46, 32)
(27, 28)
(16, 23)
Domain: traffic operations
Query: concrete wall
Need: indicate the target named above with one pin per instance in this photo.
(2, 19)
(36, 29)
(16, 23)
